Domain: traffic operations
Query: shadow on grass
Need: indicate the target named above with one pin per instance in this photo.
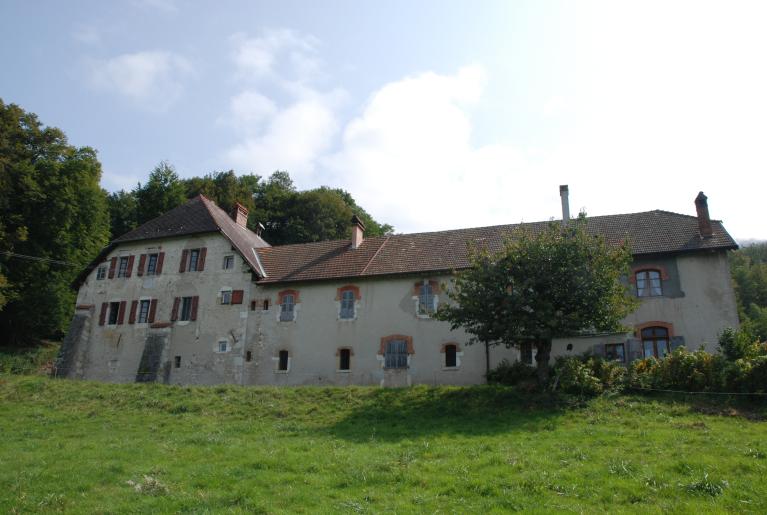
(410, 413)
(749, 407)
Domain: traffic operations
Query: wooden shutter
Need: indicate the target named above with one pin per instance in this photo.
(201, 259)
(121, 313)
(160, 259)
(152, 310)
(132, 316)
(112, 266)
(195, 301)
(182, 265)
(634, 349)
(103, 314)
(676, 341)
(141, 263)
(174, 313)
(237, 296)
(130, 265)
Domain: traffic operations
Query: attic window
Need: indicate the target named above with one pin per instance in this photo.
(101, 273)
(228, 262)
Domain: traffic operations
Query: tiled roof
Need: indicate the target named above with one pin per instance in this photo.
(651, 232)
(198, 215)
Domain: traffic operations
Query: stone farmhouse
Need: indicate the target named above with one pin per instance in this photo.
(195, 297)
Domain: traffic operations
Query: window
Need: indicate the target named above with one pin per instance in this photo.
(223, 346)
(194, 257)
(151, 266)
(426, 299)
(347, 304)
(526, 353)
(344, 359)
(615, 352)
(655, 341)
(287, 312)
(249, 356)
(123, 270)
(143, 312)
(395, 355)
(451, 352)
(226, 296)
(177, 361)
(186, 308)
(282, 363)
(649, 283)
(266, 304)
(101, 273)
(114, 310)
(228, 262)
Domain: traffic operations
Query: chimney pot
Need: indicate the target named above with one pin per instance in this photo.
(358, 230)
(564, 192)
(240, 214)
(704, 220)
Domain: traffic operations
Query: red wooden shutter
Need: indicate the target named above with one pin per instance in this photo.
(141, 263)
(152, 310)
(121, 313)
(160, 259)
(112, 266)
(103, 314)
(201, 259)
(132, 316)
(174, 313)
(182, 265)
(195, 300)
(130, 265)
(237, 296)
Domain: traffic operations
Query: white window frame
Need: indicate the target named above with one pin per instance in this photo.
(101, 273)
(353, 308)
(276, 360)
(149, 269)
(141, 303)
(225, 344)
(417, 301)
(226, 296)
(228, 259)
(292, 310)
(123, 272)
(182, 307)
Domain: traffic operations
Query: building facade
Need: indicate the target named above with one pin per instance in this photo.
(194, 297)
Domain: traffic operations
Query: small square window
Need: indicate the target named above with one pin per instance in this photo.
(151, 266)
(123, 270)
(143, 313)
(101, 273)
(228, 262)
(223, 346)
(226, 296)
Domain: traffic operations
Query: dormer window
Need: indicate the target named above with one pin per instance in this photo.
(648, 283)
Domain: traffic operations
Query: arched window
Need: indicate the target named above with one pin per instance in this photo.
(347, 304)
(451, 352)
(649, 283)
(655, 341)
(395, 354)
(287, 301)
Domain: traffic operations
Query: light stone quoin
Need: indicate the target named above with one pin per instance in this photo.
(697, 302)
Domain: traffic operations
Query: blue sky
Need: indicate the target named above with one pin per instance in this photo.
(434, 115)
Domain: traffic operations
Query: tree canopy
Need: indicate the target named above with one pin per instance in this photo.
(748, 266)
(560, 281)
(53, 220)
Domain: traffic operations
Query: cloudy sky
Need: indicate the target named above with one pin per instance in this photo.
(433, 114)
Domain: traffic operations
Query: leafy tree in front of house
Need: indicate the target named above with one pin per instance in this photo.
(556, 282)
(53, 220)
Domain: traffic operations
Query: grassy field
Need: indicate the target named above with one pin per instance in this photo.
(84, 447)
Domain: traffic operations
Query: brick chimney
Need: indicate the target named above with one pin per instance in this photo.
(704, 221)
(564, 192)
(240, 214)
(358, 229)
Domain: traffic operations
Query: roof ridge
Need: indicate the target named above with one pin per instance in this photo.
(388, 236)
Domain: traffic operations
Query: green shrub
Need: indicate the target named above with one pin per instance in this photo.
(740, 344)
(587, 375)
(511, 374)
(28, 361)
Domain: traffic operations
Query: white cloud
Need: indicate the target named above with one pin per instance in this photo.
(152, 79)
(277, 54)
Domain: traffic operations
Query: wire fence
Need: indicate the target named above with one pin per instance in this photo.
(685, 392)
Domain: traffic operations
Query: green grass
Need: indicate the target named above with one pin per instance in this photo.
(85, 447)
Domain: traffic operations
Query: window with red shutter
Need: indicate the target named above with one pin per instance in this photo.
(174, 313)
(195, 301)
(132, 316)
(141, 263)
(130, 265)
(201, 261)
(103, 314)
(160, 259)
(152, 310)
(121, 315)
(112, 266)
(237, 296)
(182, 265)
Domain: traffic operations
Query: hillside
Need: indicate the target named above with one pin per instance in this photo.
(85, 447)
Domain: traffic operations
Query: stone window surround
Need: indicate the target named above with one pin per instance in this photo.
(276, 359)
(458, 356)
(296, 304)
(338, 355)
(339, 297)
(435, 291)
